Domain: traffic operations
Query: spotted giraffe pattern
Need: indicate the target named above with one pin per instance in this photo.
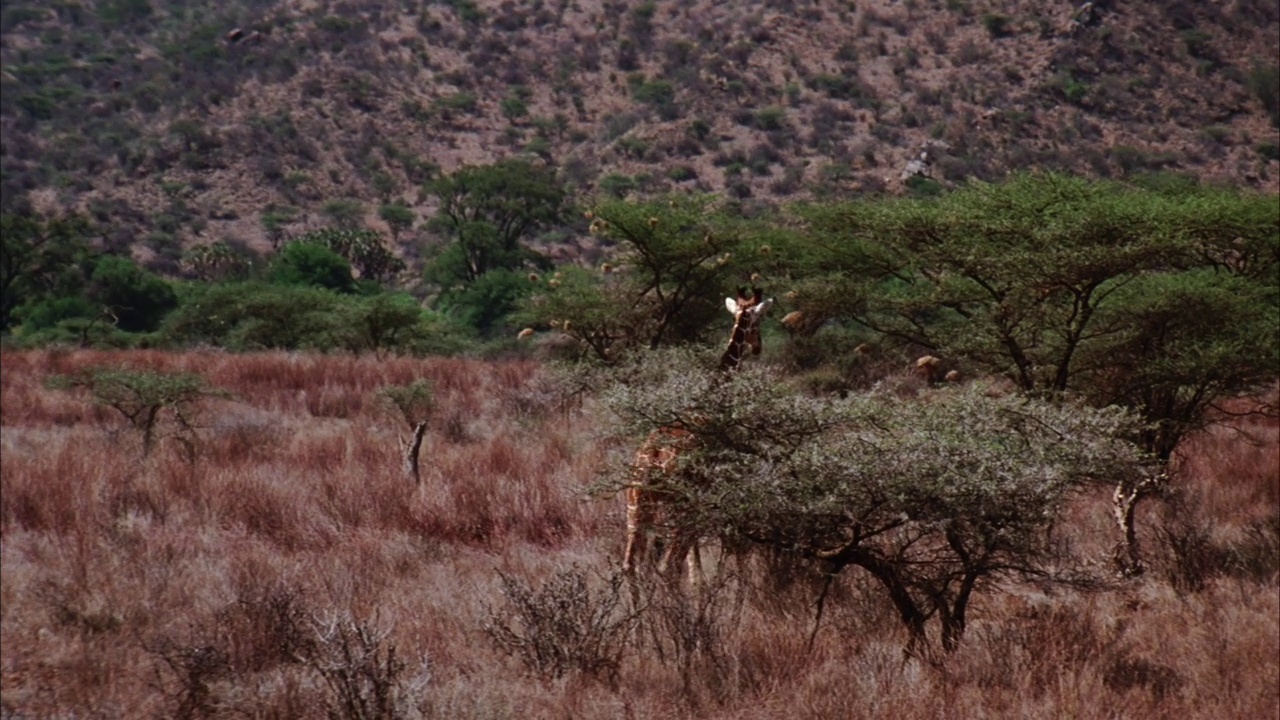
(661, 452)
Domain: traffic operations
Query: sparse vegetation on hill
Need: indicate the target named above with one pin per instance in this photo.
(177, 124)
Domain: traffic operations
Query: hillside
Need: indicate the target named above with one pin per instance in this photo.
(181, 123)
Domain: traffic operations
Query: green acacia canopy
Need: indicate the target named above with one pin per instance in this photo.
(935, 498)
(1063, 284)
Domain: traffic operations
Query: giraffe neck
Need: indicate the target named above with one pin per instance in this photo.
(737, 346)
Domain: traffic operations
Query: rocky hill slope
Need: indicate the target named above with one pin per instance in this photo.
(180, 123)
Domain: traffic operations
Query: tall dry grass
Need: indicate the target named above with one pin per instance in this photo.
(291, 570)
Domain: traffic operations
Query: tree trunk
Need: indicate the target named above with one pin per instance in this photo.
(411, 450)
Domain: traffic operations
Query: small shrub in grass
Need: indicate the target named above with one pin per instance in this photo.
(155, 404)
(365, 676)
(688, 629)
(195, 668)
(269, 627)
(414, 403)
(997, 25)
(563, 626)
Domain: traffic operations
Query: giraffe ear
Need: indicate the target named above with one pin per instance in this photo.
(732, 305)
(763, 307)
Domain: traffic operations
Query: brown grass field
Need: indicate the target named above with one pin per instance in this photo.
(290, 570)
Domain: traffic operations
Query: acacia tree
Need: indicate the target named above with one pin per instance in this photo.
(676, 259)
(155, 404)
(39, 259)
(1162, 302)
(935, 500)
(489, 214)
(1039, 277)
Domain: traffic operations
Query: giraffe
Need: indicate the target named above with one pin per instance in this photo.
(661, 451)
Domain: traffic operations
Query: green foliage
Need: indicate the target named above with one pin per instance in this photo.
(490, 210)
(771, 118)
(997, 25)
(485, 302)
(115, 13)
(489, 213)
(48, 313)
(1069, 88)
(397, 216)
(617, 185)
(274, 219)
(155, 404)
(935, 500)
(1199, 43)
(254, 316)
(596, 309)
(514, 108)
(461, 102)
(413, 402)
(1035, 278)
(364, 249)
(39, 106)
(138, 299)
(921, 186)
(346, 213)
(658, 94)
(390, 323)
(843, 87)
(309, 263)
(467, 11)
(679, 258)
(1264, 81)
(217, 262)
(1181, 341)
(40, 258)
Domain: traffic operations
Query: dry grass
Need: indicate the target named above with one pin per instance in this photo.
(291, 570)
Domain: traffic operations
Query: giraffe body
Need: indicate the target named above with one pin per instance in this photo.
(660, 455)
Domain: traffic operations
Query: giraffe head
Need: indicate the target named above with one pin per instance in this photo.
(748, 310)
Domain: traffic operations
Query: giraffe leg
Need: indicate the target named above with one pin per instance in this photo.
(637, 523)
(677, 555)
(695, 568)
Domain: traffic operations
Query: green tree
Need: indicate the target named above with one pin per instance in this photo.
(217, 262)
(398, 217)
(274, 219)
(138, 299)
(365, 249)
(39, 258)
(414, 403)
(256, 315)
(345, 212)
(308, 263)
(488, 212)
(680, 256)
(1041, 279)
(485, 303)
(383, 323)
(598, 309)
(935, 501)
(1077, 287)
(155, 404)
